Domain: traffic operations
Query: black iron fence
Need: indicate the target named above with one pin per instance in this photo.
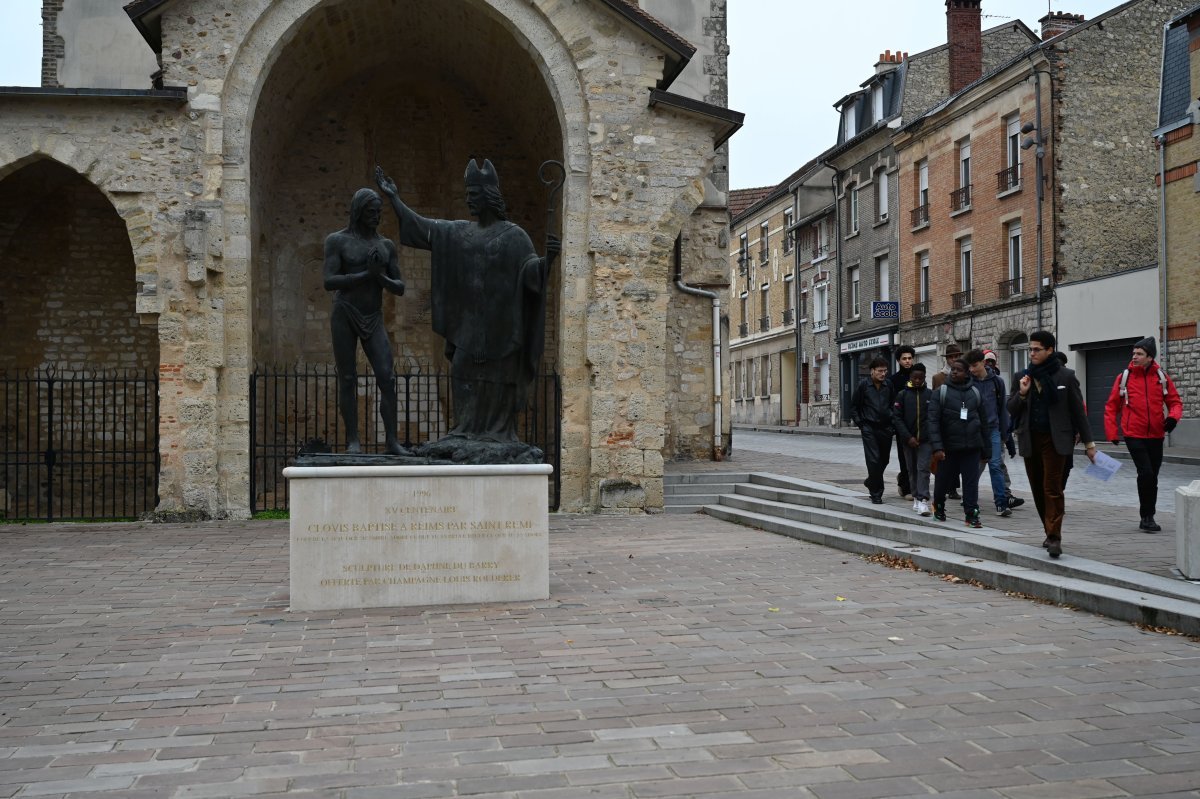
(295, 409)
(78, 445)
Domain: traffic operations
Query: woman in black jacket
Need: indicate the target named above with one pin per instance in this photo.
(961, 438)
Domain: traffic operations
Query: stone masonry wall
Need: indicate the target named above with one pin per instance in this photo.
(635, 177)
(1106, 81)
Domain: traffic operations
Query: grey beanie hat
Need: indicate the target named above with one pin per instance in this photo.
(1148, 345)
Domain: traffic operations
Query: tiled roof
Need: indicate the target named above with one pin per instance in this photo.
(741, 199)
(1176, 75)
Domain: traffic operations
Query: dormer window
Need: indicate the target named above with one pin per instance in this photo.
(877, 103)
(848, 116)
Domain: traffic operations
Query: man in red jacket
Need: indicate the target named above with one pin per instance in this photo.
(1138, 397)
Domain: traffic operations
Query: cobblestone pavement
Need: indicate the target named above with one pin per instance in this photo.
(677, 656)
(1101, 522)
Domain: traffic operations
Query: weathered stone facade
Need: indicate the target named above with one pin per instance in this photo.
(1106, 206)
(225, 199)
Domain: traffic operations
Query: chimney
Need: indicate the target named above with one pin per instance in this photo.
(1056, 22)
(887, 61)
(965, 39)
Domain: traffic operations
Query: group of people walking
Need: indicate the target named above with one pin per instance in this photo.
(953, 426)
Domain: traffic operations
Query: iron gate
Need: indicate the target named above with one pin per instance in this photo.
(295, 409)
(79, 445)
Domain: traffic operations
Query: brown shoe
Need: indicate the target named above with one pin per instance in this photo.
(1046, 544)
(1054, 548)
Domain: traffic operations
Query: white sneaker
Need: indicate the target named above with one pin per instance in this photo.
(916, 506)
(924, 508)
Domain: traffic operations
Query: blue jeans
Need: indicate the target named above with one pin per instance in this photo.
(995, 466)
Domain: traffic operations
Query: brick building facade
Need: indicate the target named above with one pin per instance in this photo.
(1178, 182)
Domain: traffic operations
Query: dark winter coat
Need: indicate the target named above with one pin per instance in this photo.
(910, 414)
(949, 432)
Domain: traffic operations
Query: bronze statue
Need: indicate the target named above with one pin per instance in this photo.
(359, 265)
(489, 304)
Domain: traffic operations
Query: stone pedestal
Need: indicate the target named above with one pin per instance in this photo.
(392, 536)
(1187, 530)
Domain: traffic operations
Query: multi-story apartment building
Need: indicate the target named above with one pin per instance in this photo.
(816, 251)
(763, 318)
(1027, 197)
(1179, 231)
(870, 218)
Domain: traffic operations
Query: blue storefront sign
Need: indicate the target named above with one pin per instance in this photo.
(885, 309)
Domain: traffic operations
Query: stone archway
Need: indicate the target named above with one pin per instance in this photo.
(77, 369)
(68, 282)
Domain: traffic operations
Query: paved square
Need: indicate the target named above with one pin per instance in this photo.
(677, 656)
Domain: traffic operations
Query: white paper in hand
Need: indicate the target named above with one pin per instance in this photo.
(1103, 468)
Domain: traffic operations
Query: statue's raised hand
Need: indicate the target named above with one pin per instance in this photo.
(386, 184)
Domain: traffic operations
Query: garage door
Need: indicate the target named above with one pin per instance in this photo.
(1103, 366)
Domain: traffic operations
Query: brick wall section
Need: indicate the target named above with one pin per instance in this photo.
(52, 43)
(965, 45)
(1105, 79)
(67, 282)
(872, 239)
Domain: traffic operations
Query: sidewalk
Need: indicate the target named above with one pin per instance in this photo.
(1183, 455)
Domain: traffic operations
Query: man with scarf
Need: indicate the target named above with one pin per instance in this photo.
(1047, 407)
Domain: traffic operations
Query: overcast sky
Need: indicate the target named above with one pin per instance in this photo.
(789, 61)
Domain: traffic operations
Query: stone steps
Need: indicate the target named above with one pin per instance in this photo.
(846, 520)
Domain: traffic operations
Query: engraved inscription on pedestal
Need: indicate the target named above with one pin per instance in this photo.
(380, 536)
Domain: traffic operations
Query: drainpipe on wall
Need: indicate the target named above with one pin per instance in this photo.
(1163, 311)
(718, 451)
(837, 243)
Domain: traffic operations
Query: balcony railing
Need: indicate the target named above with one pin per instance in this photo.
(920, 215)
(764, 323)
(1007, 179)
(961, 299)
(1009, 288)
(920, 309)
(960, 199)
(820, 251)
(743, 259)
(789, 315)
(763, 255)
(743, 329)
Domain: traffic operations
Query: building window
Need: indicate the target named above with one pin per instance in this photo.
(881, 194)
(853, 209)
(920, 214)
(789, 235)
(742, 379)
(789, 286)
(821, 250)
(877, 102)
(882, 278)
(764, 320)
(743, 253)
(823, 377)
(1014, 261)
(855, 295)
(820, 307)
(765, 372)
(764, 233)
(960, 198)
(848, 119)
(962, 298)
(744, 325)
(923, 276)
(1012, 140)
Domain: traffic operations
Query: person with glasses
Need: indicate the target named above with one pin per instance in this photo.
(1047, 406)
